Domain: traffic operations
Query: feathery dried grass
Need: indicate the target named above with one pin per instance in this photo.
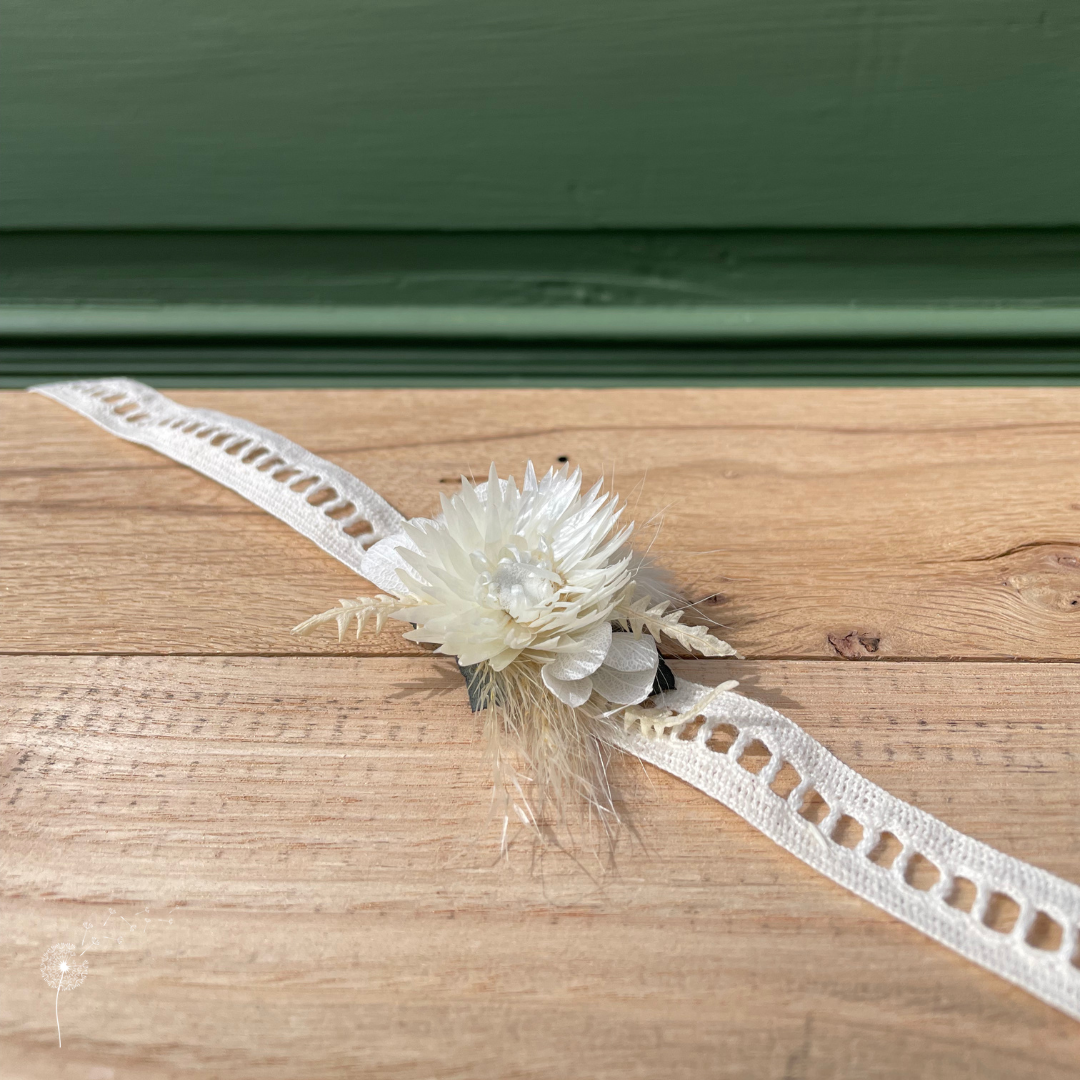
(549, 760)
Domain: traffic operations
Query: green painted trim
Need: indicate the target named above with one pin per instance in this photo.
(588, 308)
(697, 323)
(618, 287)
(255, 382)
(219, 362)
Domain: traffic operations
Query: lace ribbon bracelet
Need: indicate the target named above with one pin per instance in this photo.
(536, 594)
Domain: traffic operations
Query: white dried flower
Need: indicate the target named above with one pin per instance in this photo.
(535, 575)
(549, 614)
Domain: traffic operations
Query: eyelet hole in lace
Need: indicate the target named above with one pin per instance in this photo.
(323, 495)
(121, 410)
(339, 513)
(217, 440)
(256, 453)
(722, 738)
(755, 757)
(786, 780)
(358, 528)
(1044, 933)
(689, 732)
(284, 474)
(920, 873)
(814, 808)
(847, 832)
(304, 483)
(962, 895)
(885, 851)
(237, 447)
(136, 416)
(1001, 913)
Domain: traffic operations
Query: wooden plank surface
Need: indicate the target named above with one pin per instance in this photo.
(317, 831)
(816, 523)
(315, 824)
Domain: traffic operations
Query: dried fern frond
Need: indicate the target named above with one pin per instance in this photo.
(638, 615)
(655, 722)
(362, 609)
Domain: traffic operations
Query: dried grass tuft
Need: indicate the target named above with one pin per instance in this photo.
(549, 760)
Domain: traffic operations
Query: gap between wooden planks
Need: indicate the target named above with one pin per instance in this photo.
(316, 827)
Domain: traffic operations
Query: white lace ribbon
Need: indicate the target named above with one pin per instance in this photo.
(344, 516)
(319, 500)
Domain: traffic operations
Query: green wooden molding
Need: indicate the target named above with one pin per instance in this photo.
(489, 364)
(564, 307)
(778, 322)
(736, 285)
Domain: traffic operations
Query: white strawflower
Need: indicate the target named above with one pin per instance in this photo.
(535, 575)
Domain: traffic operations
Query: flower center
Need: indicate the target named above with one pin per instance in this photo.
(516, 583)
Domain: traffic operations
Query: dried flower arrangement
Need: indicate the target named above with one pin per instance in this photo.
(552, 618)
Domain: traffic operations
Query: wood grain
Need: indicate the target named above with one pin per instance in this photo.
(314, 819)
(831, 524)
(317, 831)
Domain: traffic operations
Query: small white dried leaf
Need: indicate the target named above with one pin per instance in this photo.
(693, 638)
(362, 609)
(656, 722)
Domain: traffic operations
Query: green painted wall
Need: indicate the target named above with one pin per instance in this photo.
(460, 114)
